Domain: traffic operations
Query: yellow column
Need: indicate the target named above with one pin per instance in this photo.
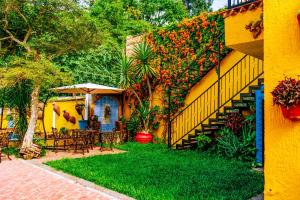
(282, 137)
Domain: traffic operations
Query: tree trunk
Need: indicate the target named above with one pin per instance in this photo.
(1, 118)
(28, 138)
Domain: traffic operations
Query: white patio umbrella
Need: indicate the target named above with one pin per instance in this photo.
(87, 89)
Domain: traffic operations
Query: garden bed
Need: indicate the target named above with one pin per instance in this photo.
(154, 172)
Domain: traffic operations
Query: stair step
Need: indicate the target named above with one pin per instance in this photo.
(185, 141)
(261, 81)
(192, 137)
(253, 88)
(184, 146)
(199, 132)
(221, 116)
(239, 104)
(216, 121)
(247, 97)
(231, 110)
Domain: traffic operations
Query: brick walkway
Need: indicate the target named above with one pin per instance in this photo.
(22, 180)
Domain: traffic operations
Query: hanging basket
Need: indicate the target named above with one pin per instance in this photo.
(292, 113)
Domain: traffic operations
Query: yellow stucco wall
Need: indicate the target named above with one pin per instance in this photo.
(60, 121)
(5, 122)
(240, 39)
(282, 137)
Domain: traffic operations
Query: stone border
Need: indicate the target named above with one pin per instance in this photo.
(87, 184)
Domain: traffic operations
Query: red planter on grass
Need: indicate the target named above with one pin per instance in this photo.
(143, 138)
(292, 113)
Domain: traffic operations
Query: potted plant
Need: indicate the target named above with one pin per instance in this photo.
(63, 130)
(287, 96)
(94, 122)
(83, 124)
(135, 71)
(298, 17)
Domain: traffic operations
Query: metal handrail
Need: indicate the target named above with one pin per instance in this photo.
(228, 86)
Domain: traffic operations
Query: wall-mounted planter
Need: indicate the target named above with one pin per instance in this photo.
(66, 115)
(56, 109)
(73, 120)
(298, 17)
(292, 113)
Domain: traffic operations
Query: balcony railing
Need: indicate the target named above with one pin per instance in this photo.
(237, 3)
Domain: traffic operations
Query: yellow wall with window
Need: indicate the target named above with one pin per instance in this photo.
(282, 137)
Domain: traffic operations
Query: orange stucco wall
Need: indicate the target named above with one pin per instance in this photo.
(282, 137)
(239, 38)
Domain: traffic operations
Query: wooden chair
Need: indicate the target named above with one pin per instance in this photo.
(110, 136)
(121, 131)
(4, 142)
(81, 140)
(58, 137)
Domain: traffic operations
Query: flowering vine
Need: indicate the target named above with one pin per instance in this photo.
(185, 51)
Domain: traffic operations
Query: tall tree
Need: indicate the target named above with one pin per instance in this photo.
(158, 12)
(35, 32)
(197, 6)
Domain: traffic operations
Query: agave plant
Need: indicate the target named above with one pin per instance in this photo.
(132, 71)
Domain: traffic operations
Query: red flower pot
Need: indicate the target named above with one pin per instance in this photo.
(292, 113)
(143, 138)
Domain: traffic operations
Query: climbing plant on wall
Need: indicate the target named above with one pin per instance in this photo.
(185, 51)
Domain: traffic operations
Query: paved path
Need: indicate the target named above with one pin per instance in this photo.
(23, 180)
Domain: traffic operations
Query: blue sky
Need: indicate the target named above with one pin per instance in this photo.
(219, 4)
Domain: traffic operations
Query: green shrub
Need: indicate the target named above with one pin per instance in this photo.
(203, 141)
(241, 147)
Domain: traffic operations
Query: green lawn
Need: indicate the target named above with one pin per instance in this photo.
(154, 172)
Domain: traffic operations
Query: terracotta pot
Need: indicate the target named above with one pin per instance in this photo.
(73, 120)
(79, 108)
(56, 109)
(66, 115)
(292, 113)
(143, 138)
(298, 17)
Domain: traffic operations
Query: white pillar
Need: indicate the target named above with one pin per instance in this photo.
(86, 110)
(53, 119)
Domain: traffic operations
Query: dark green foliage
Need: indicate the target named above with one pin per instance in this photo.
(132, 125)
(12, 151)
(18, 97)
(234, 121)
(203, 141)
(94, 65)
(155, 172)
(240, 147)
